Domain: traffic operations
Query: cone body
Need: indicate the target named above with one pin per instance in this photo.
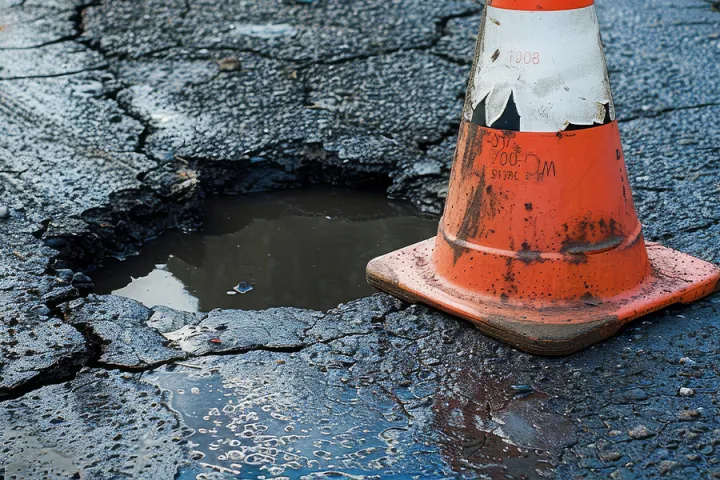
(540, 218)
(539, 214)
(539, 243)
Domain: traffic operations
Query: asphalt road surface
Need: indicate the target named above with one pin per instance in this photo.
(117, 117)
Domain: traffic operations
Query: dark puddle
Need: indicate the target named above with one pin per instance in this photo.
(298, 248)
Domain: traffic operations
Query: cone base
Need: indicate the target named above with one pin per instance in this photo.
(557, 329)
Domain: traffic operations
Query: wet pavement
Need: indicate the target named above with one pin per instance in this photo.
(120, 119)
(302, 248)
(265, 422)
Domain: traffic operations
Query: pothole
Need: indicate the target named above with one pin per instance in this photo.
(301, 248)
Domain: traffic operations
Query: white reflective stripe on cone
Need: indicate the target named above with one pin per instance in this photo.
(551, 61)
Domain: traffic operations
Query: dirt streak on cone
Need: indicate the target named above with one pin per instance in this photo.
(539, 244)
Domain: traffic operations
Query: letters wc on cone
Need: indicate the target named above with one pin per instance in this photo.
(539, 244)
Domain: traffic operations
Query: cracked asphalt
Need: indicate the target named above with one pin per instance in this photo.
(118, 118)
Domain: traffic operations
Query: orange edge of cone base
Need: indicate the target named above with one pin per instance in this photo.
(539, 244)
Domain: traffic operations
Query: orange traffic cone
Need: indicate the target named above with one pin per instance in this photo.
(539, 244)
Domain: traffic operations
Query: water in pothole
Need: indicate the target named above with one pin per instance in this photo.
(299, 248)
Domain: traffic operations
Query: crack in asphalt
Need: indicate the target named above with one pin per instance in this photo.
(663, 111)
(54, 75)
(65, 370)
(147, 130)
(65, 38)
(94, 342)
(441, 32)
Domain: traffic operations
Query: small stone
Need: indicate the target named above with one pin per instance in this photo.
(636, 394)
(229, 64)
(686, 392)
(610, 456)
(707, 450)
(665, 466)
(65, 274)
(687, 415)
(640, 432)
(4, 212)
(60, 294)
(427, 168)
(81, 279)
(42, 310)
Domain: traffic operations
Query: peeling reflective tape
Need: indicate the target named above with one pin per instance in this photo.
(539, 71)
(530, 5)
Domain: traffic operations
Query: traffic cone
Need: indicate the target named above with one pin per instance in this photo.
(539, 244)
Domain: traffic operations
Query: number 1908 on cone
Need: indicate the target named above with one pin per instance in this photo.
(539, 244)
